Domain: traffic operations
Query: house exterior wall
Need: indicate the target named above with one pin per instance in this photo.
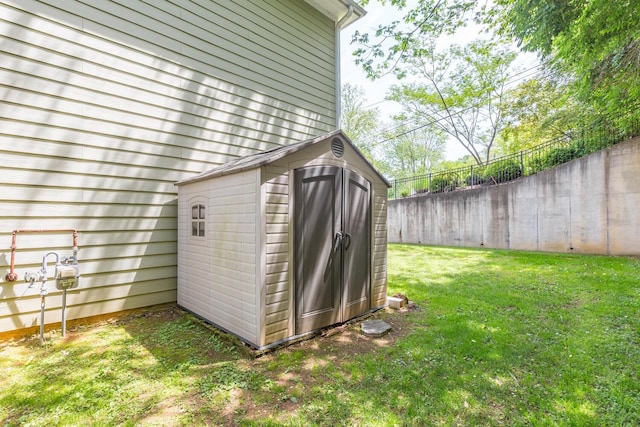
(106, 104)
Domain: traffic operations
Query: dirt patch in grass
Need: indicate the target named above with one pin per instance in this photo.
(299, 371)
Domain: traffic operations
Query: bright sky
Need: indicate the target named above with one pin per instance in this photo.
(375, 91)
(350, 73)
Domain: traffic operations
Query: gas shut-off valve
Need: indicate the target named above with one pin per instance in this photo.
(66, 275)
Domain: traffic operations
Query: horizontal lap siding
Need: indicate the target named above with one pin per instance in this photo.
(106, 104)
(277, 293)
(379, 242)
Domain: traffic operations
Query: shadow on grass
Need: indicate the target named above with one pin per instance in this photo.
(499, 338)
(130, 371)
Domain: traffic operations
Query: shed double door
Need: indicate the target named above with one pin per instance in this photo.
(332, 246)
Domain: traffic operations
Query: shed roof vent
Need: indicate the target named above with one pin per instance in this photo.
(337, 147)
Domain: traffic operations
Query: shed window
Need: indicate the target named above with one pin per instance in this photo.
(197, 220)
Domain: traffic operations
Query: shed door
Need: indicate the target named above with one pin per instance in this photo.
(356, 245)
(332, 249)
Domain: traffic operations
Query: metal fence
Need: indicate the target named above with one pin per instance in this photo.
(507, 168)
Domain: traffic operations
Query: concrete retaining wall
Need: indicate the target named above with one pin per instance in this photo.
(590, 205)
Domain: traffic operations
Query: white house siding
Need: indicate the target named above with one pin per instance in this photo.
(278, 302)
(105, 104)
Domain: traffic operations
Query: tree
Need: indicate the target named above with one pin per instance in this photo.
(360, 124)
(592, 45)
(540, 110)
(595, 42)
(534, 24)
(392, 44)
(411, 153)
(459, 91)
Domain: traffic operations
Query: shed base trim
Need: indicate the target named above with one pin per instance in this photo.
(260, 350)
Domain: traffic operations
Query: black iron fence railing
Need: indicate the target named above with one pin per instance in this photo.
(528, 162)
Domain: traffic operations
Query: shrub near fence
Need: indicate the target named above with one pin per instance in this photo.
(508, 168)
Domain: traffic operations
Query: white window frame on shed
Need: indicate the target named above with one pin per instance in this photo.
(200, 206)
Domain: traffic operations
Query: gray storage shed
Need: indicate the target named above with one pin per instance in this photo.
(282, 243)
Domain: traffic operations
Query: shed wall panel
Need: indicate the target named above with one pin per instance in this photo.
(277, 297)
(217, 274)
(379, 246)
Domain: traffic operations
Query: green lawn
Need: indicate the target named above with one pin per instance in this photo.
(498, 338)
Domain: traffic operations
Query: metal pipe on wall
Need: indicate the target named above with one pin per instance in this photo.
(12, 276)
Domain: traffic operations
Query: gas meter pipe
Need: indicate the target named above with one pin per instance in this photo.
(11, 275)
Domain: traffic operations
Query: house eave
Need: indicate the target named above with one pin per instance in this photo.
(337, 9)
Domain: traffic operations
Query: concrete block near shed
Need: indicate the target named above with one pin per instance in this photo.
(375, 328)
(395, 302)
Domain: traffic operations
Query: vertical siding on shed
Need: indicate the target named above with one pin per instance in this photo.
(217, 276)
(106, 104)
(278, 303)
(194, 254)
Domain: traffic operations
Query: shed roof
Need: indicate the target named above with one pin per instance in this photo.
(262, 158)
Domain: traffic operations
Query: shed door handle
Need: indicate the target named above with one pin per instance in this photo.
(338, 240)
(347, 239)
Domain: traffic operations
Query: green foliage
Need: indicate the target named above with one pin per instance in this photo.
(413, 153)
(392, 44)
(590, 49)
(560, 155)
(476, 177)
(446, 165)
(443, 183)
(553, 157)
(535, 164)
(502, 171)
(455, 89)
(404, 153)
(593, 42)
(360, 124)
(534, 23)
(541, 109)
(601, 47)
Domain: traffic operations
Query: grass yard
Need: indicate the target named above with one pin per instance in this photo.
(498, 338)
